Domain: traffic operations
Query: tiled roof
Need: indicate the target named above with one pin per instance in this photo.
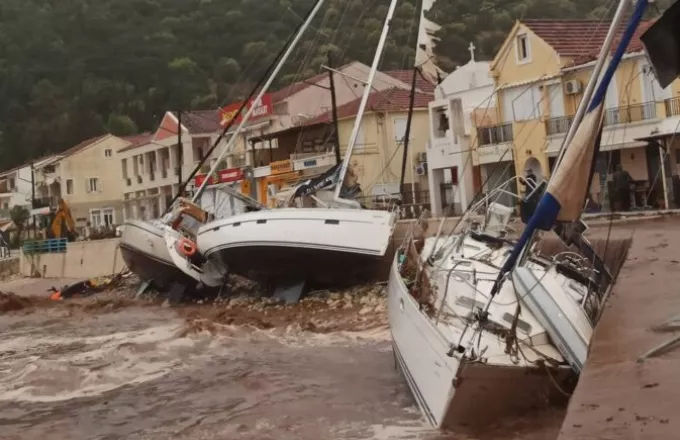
(81, 146)
(201, 121)
(299, 86)
(406, 76)
(391, 100)
(580, 40)
(136, 140)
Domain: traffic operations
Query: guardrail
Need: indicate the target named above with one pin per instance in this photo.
(50, 246)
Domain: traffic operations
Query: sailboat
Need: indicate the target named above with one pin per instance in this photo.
(484, 327)
(294, 245)
(143, 243)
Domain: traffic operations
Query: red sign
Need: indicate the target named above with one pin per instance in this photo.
(261, 109)
(223, 176)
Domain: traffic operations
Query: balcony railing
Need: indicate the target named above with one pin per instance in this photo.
(630, 113)
(495, 134)
(672, 106)
(558, 125)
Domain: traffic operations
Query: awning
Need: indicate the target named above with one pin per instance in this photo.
(668, 127)
(529, 81)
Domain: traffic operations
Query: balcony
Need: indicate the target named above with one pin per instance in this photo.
(558, 125)
(495, 134)
(672, 106)
(630, 113)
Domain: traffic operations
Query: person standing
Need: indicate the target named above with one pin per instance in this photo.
(622, 181)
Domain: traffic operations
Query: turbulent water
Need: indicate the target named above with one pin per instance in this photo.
(148, 373)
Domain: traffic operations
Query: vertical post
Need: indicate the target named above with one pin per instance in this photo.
(662, 161)
(407, 134)
(180, 152)
(35, 231)
(334, 105)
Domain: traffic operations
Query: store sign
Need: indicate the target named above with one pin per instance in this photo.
(223, 176)
(282, 166)
(261, 109)
(494, 153)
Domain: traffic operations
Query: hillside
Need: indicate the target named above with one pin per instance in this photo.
(75, 68)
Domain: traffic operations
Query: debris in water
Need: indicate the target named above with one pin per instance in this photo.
(11, 302)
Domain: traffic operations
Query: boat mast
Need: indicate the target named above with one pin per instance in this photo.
(362, 108)
(232, 141)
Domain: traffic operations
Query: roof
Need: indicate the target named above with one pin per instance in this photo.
(136, 140)
(406, 76)
(390, 100)
(581, 40)
(84, 144)
(299, 86)
(201, 121)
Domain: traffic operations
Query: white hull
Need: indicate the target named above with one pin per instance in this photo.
(298, 242)
(145, 253)
(451, 390)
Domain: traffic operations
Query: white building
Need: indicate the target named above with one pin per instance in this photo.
(462, 94)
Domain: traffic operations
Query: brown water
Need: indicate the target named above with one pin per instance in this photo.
(123, 371)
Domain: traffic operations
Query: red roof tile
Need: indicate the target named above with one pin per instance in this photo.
(406, 76)
(580, 40)
(136, 140)
(391, 100)
(201, 121)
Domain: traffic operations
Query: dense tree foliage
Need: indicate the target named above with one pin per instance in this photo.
(71, 69)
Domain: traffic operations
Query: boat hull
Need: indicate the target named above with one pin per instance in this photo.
(454, 395)
(144, 251)
(318, 245)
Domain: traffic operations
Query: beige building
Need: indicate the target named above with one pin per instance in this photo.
(87, 177)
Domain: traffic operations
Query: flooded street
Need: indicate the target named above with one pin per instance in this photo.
(115, 370)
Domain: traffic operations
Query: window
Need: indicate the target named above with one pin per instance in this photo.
(11, 183)
(92, 185)
(400, 129)
(108, 152)
(523, 49)
(102, 218)
(521, 103)
(69, 187)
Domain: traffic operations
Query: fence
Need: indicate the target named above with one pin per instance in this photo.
(54, 245)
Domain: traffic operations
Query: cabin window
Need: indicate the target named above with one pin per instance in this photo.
(69, 187)
(523, 49)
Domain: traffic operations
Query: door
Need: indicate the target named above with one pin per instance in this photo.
(556, 99)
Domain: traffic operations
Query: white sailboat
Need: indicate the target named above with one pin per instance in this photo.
(483, 327)
(147, 247)
(338, 244)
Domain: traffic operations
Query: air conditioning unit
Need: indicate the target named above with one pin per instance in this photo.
(422, 157)
(572, 87)
(421, 169)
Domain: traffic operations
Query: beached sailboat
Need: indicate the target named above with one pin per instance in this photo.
(340, 244)
(143, 244)
(483, 326)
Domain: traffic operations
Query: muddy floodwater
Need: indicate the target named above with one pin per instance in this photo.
(117, 369)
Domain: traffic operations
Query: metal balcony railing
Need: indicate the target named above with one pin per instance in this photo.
(495, 134)
(630, 113)
(558, 125)
(672, 106)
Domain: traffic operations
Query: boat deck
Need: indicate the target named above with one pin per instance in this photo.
(618, 398)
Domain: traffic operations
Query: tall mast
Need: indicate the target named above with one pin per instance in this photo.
(232, 141)
(362, 107)
(334, 104)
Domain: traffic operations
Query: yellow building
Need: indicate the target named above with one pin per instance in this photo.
(540, 73)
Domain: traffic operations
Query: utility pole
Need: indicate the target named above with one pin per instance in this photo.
(407, 134)
(35, 231)
(335, 109)
(180, 152)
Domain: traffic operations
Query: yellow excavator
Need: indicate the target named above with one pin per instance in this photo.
(61, 223)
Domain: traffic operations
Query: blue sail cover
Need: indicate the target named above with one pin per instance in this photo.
(565, 195)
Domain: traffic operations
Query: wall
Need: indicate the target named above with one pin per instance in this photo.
(91, 162)
(634, 160)
(544, 60)
(380, 151)
(83, 259)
